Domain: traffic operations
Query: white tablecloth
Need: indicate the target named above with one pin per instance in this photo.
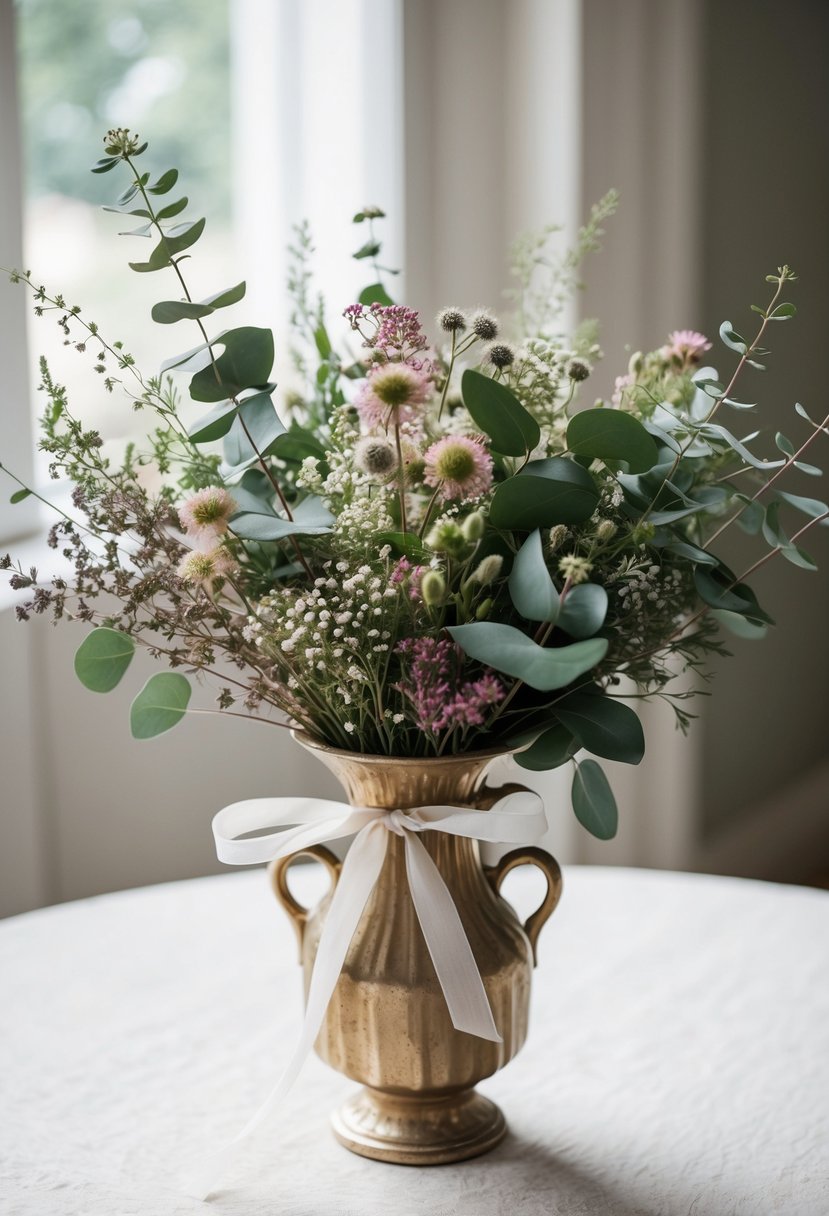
(677, 1063)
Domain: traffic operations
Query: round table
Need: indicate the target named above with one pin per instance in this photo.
(676, 1064)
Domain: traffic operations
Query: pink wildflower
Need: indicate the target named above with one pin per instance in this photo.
(622, 384)
(393, 394)
(202, 567)
(204, 517)
(686, 345)
(433, 688)
(460, 466)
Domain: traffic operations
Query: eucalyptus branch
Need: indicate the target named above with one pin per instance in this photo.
(792, 460)
(783, 276)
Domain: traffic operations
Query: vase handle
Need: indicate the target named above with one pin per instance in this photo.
(551, 870)
(278, 872)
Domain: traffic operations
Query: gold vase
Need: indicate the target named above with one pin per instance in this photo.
(387, 1025)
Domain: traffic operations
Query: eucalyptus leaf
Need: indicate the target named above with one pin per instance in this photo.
(612, 435)
(102, 658)
(583, 610)
(740, 626)
(166, 312)
(19, 495)
(165, 183)
(720, 432)
(532, 590)
(252, 434)
(809, 506)
(593, 801)
(169, 246)
(245, 362)
(508, 650)
(719, 589)
(732, 339)
(214, 425)
(545, 492)
(172, 209)
(604, 726)
(798, 557)
(551, 749)
(500, 415)
(783, 312)
(375, 294)
(161, 703)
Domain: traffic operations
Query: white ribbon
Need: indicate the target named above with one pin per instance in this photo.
(517, 818)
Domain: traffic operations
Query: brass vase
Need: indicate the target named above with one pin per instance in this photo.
(387, 1025)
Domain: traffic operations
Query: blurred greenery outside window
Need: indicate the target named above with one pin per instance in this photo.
(163, 70)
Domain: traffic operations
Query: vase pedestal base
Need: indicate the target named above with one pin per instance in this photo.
(419, 1131)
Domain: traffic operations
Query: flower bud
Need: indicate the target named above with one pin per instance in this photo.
(488, 569)
(558, 536)
(635, 363)
(483, 610)
(605, 529)
(433, 588)
(446, 537)
(473, 526)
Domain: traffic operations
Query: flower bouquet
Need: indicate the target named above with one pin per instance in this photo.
(433, 552)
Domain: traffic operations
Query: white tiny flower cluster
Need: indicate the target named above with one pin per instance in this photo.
(362, 519)
(309, 476)
(329, 634)
(646, 586)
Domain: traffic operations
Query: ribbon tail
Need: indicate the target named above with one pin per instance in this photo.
(358, 876)
(448, 945)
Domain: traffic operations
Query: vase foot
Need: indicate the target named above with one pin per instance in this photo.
(419, 1131)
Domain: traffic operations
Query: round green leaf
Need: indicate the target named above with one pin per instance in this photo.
(584, 609)
(550, 750)
(509, 650)
(102, 658)
(214, 425)
(545, 492)
(160, 704)
(740, 626)
(612, 435)
(603, 726)
(246, 362)
(593, 801)
(500, 415)
(530, 586)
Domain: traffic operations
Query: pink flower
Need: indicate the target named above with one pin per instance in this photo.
(393, 394)
(433, 688)
(460, 466)
(204, 517)
(686, 345)
(202, 567)
(620, 387)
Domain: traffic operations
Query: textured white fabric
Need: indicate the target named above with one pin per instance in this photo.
(677, 1065)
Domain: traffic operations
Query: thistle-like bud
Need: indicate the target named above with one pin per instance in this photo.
(487, 569)
(375, 455)
(473, 526)
(635, 363)
(485, 326)
(433, 588)
(451, 320)
(446, 537)
(575, 569)
(557, 537)
(605, 529)
(500, 355)
(578, 369)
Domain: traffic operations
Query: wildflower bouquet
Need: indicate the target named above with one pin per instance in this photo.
(434, 545)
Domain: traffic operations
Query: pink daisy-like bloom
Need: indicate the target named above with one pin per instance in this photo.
(686, 345)
(202, 567)
(205, 516)
(460, 466)
(393, 394)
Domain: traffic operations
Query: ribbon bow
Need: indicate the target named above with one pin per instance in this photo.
(517, 818)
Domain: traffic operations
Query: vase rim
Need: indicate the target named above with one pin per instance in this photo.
(308, 741)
